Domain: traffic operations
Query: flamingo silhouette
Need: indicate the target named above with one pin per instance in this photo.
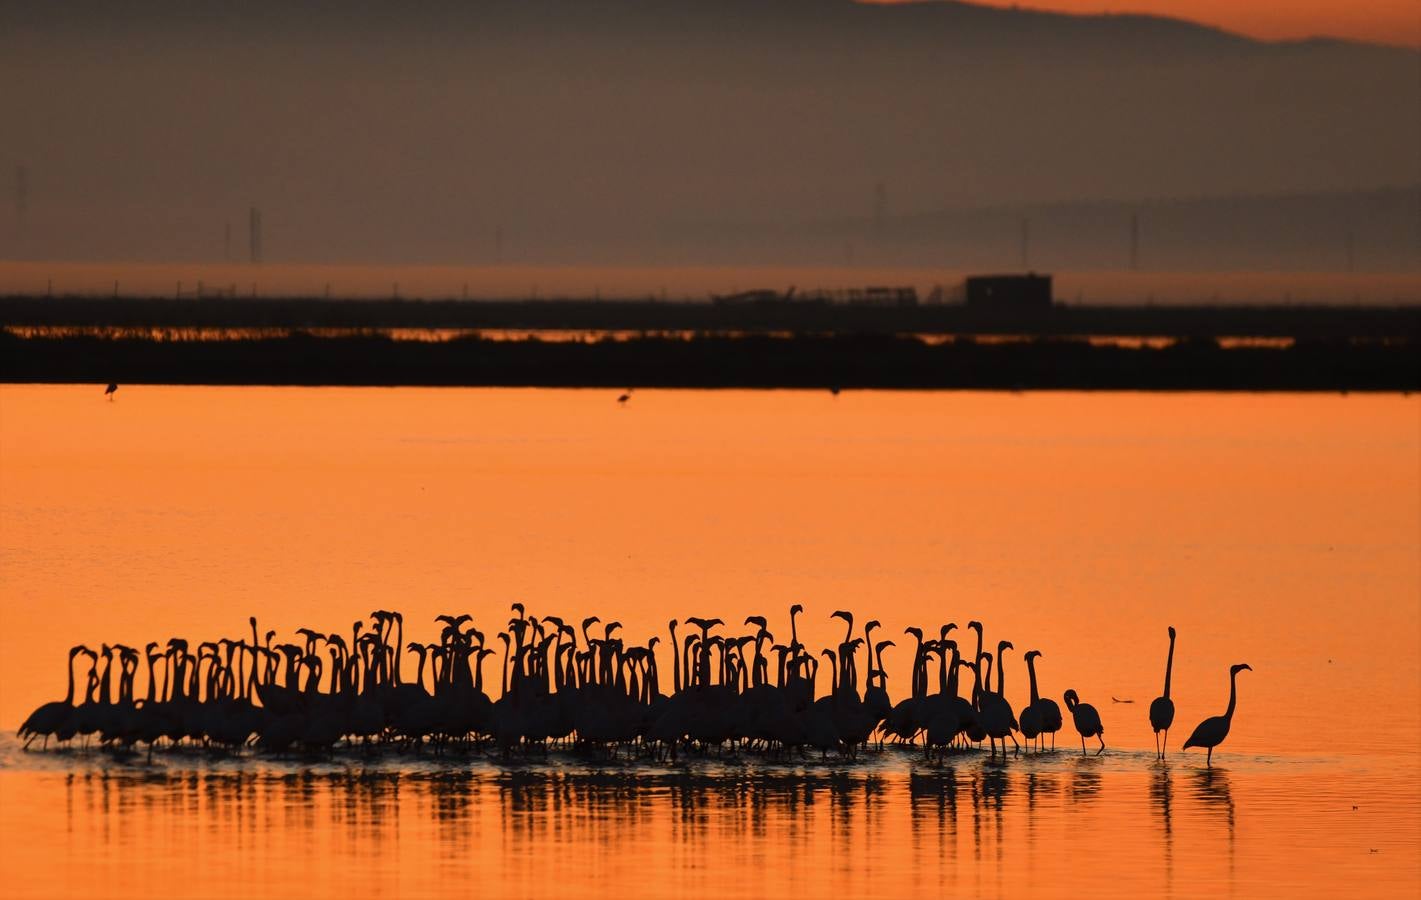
(602, 692)
(1211, 732)
(1162, 709)
(50, 717)
(1087, 721)
(110, 391)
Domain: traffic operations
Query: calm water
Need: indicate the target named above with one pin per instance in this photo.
(1282, 531)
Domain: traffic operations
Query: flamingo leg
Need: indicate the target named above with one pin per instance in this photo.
(1101, 738)
(1082, 745)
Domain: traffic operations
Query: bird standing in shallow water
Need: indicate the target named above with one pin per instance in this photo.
(1211, 732)
(1087, 721)
(1162, 709)
(110, 391)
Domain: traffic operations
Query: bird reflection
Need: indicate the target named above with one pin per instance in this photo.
(1085, 780)
(1162, 797)
(1211, 789)
(954, 814)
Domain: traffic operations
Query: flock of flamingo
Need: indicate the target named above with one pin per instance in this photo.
(600, 693)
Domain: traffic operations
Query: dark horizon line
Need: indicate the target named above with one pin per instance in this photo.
(832, 363)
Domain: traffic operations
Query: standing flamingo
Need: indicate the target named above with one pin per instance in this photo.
(1162, 709)
(1211, 732)
(1087, 721)
(50, 717)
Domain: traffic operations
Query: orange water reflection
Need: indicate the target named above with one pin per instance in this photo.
(1277, 530)
(424, 828)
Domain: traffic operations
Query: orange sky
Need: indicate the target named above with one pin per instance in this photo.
(1385, 21)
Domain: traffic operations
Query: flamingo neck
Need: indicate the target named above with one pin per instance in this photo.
(1031, 672)
(400, 642)
(106, 681)
(69, 694)
(675, 663)
(1233, 695)
(920, 671)
(1168, 668)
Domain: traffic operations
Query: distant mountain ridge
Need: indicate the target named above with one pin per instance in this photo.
(920, 19)
(541, 130)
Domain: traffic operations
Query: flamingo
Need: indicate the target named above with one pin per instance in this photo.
(997, 718)
(1087, 721)
(1047, 709)
(1211, 732)
(50, 717)
(605, 691)
(1162, 709)
(1031, 720)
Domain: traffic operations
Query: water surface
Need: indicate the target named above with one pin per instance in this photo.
(1283, 531)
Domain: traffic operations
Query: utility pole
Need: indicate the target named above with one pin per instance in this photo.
(254, 236)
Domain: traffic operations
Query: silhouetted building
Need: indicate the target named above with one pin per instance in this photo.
(1015, 293)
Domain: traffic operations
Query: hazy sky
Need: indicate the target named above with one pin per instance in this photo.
(1386, 21)
(676, 132)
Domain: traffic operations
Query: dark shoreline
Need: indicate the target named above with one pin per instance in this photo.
(798, 317)
(710, 361)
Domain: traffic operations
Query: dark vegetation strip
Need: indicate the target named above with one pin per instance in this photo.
(861, 361)
(1303, 322)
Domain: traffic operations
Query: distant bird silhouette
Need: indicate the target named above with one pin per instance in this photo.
(1162, 709)
(110, 391)
(1211, 732)
(1087, 721)
(622, 400)
(834, 389)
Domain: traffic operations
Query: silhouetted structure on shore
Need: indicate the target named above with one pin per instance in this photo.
(1018, 294)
